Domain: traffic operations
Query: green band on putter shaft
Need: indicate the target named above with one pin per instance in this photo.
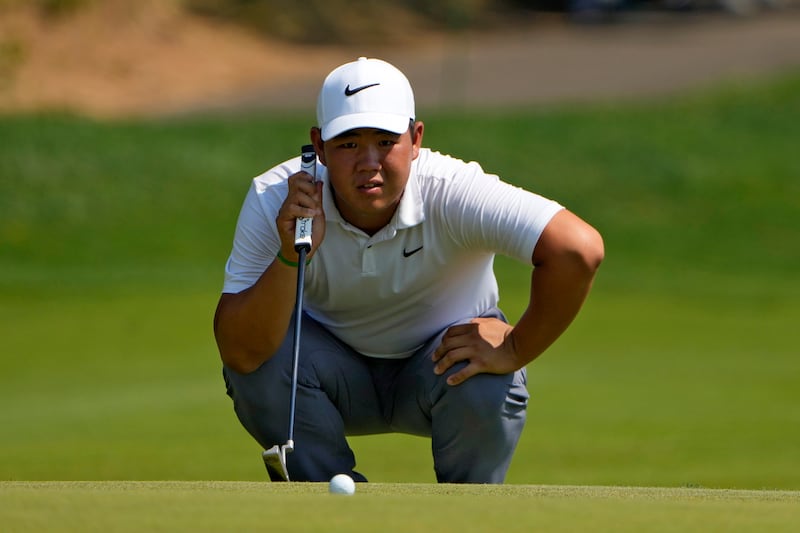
(289, 263)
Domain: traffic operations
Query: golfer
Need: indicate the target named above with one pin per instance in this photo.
(400, 329)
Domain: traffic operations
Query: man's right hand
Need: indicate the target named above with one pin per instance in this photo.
(304, 199)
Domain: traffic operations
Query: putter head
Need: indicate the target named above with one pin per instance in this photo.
(275, 461)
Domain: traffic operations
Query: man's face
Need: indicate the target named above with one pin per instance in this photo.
(368, 170)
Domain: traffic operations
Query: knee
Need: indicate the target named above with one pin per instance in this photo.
(259, 389)
(489, 397)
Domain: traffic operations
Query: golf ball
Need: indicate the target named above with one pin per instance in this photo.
(342, 484)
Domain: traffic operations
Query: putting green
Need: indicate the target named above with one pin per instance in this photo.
(214, 506)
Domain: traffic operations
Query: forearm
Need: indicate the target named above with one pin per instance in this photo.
(250, 326)
(566, 260)
(555, 302)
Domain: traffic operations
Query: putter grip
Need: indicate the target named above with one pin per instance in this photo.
(302, 231)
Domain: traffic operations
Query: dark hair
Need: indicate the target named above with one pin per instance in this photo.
(411, 123)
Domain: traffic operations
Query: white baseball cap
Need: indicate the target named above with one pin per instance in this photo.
(367, 93)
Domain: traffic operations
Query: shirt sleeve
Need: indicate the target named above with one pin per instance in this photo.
(256, 241)
(483, 212)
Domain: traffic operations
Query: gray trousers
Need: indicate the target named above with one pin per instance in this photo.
(474, 427)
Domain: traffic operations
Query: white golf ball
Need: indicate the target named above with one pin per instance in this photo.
(342, 484)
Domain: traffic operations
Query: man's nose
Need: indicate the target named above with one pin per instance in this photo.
(369, 157)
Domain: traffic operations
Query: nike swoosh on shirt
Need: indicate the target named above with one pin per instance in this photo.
(350, 92)
(411, 252)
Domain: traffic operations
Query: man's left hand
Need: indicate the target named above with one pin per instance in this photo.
(485, 343)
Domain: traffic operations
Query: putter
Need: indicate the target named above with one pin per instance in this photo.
(275, 457)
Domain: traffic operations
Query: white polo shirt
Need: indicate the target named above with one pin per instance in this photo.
(431, 267)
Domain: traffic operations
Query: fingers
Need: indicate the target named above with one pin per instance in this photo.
(304, 198)
(480, 343)
(472, 368)
(457, 345)
(454, 339)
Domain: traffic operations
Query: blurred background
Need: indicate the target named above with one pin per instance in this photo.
(113, 58)
(130, 131)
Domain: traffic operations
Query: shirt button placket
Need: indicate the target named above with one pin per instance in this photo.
(368, 260)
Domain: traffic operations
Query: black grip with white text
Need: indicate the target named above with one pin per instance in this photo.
(302, 231)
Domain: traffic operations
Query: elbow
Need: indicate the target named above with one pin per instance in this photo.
(234, 354)
(240, 362)
(584, 256)
(593, 251)
(241, 358)
(570, 245)
(581, 253)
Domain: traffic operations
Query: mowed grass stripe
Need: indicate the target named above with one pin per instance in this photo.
(206, 506)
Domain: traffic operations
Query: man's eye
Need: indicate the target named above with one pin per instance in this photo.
(388, 142)
(347, 145)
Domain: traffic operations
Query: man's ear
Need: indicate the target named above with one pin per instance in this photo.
(319, 145)
(416, 137)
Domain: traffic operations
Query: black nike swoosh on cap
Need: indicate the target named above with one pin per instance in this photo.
(350, 92)
(411, 252)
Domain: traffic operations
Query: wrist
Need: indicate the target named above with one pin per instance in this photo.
(513, 349)
(288, 262)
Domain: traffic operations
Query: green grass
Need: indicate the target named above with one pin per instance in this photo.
(215, 506)
(681, 371)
